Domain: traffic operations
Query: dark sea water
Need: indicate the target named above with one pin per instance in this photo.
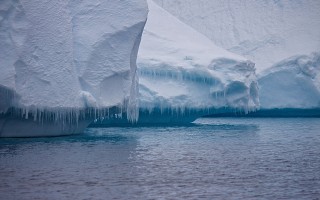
(221, 158)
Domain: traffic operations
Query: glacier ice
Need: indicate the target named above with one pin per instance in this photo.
(265, 32)
(65, 62)
(178, 67)
(281, 37)
(184, 75)
(291, 83)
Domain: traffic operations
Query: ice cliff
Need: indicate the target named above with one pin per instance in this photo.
(281, 37)
(180, 68)
(184, 75)
(65, 62)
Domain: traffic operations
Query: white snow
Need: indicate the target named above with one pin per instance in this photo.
(180, 69)
(281, 37)
(60, 58)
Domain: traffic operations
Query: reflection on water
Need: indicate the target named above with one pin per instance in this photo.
(222, 158)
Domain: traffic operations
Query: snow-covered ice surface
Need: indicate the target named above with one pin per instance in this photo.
(184, 75)
(281, 37)
(60, 60)
(265, 32)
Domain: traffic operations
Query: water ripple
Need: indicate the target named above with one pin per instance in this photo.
(221, 158)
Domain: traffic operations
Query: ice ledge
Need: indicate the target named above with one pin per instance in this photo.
(35, 122)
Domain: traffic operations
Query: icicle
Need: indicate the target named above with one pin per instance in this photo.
(35, 115)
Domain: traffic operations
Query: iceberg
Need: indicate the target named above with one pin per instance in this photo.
(183, 75)
(64, 63)
(293, 86)
(292, 83)
(281, 37)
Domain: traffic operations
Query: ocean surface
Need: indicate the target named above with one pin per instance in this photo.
(215, 158)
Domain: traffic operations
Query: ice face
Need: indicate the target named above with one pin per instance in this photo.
(67, 59)
(183, 75)
(280, 37)
(292, 83)
(265, 32)
(106, 53)
(180, 68)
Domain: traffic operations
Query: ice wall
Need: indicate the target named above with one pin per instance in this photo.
(183, 75)
(280, 35)
(37, 35)
(265, 32)
(180, 68)
(62, 59)
(292, 83)
(105, 53)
